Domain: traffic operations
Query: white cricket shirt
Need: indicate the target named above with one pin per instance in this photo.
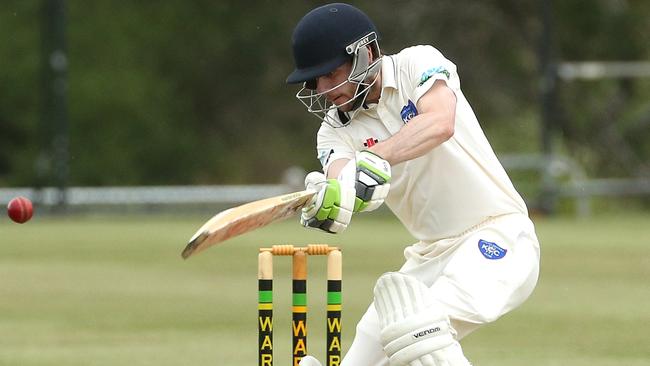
(449, 189)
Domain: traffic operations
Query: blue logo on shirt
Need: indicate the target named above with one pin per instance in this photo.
(491, 250)
(408, 111)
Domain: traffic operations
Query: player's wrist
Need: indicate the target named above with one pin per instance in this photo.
(380, 150)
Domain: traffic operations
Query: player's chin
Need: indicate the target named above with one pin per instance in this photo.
(344, 107)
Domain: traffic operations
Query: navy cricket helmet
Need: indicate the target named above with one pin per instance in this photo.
(321, 40)
(325, 39)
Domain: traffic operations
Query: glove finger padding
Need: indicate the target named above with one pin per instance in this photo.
(315, 181)
(331, 208)
(371, 180)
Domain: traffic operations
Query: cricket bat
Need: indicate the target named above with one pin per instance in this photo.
(242, 219)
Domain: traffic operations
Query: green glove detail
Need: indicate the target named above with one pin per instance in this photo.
(331, 209)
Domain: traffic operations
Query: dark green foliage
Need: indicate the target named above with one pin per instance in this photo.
(180, 92)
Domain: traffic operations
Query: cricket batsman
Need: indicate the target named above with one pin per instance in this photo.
(398, 129)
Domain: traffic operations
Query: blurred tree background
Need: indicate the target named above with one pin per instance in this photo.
(193, 92)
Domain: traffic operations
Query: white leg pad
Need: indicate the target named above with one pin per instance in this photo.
(414, 330)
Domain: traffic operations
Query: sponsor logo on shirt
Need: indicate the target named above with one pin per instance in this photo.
(433, 71)
(408, 111)
(324, 156)
(491, 250)
(370, 141)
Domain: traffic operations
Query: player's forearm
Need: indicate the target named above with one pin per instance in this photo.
(335, 168)
(422, 134)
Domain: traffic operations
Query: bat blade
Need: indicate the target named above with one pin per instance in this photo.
(242, 219)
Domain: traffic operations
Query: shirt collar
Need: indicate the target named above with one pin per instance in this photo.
(388, 73)
(387, 79)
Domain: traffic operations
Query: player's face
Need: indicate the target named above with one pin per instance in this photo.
(344, 93)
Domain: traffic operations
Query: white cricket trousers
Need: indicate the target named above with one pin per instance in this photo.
(477, 276)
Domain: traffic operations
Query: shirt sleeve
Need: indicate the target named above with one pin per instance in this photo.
(331, 147)
(425, 65)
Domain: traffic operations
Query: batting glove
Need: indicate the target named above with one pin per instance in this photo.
(331, 208)
(371, 176)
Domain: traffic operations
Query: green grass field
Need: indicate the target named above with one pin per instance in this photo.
(114, 291)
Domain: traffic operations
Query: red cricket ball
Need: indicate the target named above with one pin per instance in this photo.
(20, 209)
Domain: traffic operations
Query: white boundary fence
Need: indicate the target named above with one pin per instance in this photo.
(568, 181)
(148, 195)
(594, 70)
